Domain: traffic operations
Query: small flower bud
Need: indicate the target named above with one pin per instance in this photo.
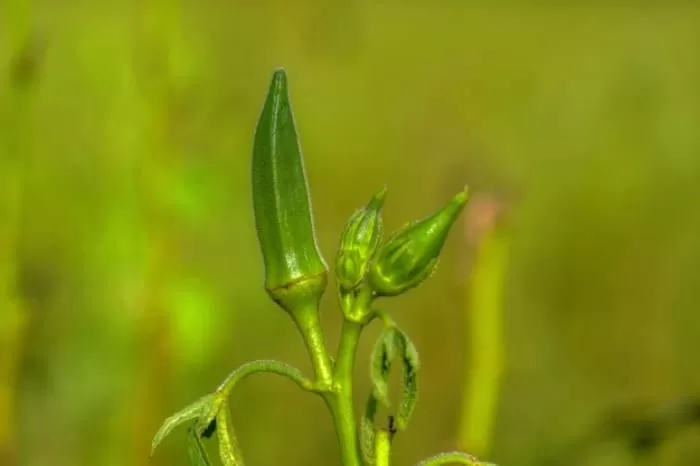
(360, 241)
(295, 273)
(411, 254)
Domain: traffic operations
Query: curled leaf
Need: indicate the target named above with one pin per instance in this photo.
(381, 359)
(410, 380)
(210, 412)
(193, 411)
(229, 449)
(367, 430)
(391, 342)
(195, 447)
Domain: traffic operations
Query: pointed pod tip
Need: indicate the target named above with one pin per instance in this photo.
(461, 197)
(378, 199)
(279, 73)
(278, 84)
(454, 207)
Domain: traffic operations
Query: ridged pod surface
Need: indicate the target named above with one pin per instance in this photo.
(412, 253)
(295, 273)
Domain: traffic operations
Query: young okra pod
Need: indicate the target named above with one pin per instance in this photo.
(359, 243)
(295, 272)
(411, 254)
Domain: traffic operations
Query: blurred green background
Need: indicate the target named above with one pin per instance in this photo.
(130, 277)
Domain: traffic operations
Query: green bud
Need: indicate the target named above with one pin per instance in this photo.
(411, 254)
(360, 241)
(295, 273)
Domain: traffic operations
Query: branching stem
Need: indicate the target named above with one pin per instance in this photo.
(340, 401)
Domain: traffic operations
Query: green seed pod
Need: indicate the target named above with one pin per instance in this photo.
(295, 273)
(359, 243)
(411, 254)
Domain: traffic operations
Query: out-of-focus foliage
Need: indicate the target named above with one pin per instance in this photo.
(130, 282)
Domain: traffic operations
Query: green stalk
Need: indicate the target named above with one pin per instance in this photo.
(382, 448)
(308, 323)
(295, 272)
(340, 401)
(484, 322)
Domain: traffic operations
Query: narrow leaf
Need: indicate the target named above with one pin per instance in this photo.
(393, 342)
(367, 431)
(411, 365)
(381, 359)
(193, 411)
(195, 447)
(229, 450)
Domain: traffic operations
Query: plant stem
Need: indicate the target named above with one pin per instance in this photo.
(340, 402)
(484, 320)
(382, 448)
(309, 324)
